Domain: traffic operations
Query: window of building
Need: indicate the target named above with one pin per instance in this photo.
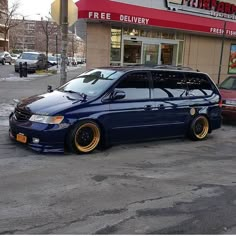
(135, 86)
(115, 44)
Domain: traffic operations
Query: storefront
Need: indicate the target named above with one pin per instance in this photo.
(176, 32)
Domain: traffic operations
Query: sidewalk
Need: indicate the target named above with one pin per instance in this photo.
(17, 88)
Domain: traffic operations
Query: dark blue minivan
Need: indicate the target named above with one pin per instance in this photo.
(111, 105)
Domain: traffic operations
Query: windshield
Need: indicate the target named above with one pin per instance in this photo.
(229, 83)
(29, 56)
(92, 83)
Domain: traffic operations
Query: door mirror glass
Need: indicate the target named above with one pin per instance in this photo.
(118, 94)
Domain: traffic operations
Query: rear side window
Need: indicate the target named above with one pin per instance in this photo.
(169, 84)
(199, 84)
(135, 86)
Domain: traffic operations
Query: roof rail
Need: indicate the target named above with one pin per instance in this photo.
(173, 67)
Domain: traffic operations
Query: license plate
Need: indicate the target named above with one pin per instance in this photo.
(21, 138)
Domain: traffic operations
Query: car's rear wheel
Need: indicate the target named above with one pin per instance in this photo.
(199, 128)
(84, 137)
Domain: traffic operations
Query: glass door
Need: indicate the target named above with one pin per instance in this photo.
(150, 54)
(132, 52)
(168, 54)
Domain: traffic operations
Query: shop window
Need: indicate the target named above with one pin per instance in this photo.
(115, 44)
(179, 36)
(168, 35)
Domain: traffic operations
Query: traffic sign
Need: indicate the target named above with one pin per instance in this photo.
(56, 12)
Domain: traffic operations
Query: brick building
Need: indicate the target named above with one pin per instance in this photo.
(32, 35)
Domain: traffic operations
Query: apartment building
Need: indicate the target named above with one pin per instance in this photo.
(3, 14)
(43, 36)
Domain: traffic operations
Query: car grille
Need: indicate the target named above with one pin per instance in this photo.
(22, 115)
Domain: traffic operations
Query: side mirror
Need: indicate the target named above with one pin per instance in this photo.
(49, 90)
(118, 94)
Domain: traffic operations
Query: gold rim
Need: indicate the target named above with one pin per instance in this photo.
(87, 137)
(201, 127)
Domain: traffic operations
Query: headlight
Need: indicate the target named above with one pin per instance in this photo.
(47, 119)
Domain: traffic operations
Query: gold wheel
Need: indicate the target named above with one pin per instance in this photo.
(200, 127)
(87, 137)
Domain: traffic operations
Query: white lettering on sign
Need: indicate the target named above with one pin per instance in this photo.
(221, 31)
(99, 15)
(134, 19)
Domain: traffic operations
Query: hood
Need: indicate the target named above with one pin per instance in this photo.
(228, 94)
(24, 60)
(50, 103)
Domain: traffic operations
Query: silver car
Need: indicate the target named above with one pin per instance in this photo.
(35, 61)
(5, 57)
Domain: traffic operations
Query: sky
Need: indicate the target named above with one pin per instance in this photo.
(34, 9)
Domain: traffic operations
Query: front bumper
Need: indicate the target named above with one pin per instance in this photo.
(51, 137)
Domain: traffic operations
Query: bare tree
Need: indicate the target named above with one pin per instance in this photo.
(7, 17)
(50, 29)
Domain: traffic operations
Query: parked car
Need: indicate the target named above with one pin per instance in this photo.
(35, 61)
(111, 105)
(52, 61)
(228, 92)
(14, 57)
(5, 57)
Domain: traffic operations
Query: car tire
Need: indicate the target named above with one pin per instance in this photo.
(199, 128)
(84, 137)
(3, 61)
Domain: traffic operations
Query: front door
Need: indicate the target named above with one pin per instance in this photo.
(131, 117)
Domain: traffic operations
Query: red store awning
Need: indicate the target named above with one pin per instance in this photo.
(108, 10)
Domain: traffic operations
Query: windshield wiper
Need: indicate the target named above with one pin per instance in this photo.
(83, 95)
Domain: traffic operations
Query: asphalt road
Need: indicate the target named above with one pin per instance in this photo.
(7, 70)
(163, 187)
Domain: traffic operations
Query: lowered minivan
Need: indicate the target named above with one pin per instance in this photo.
(111, 105)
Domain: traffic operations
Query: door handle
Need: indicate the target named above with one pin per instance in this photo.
(148, 107)
(161, 107)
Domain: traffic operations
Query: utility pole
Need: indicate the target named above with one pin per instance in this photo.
(64, 31)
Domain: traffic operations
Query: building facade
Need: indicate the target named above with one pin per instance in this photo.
(200, 34)
(3, 15)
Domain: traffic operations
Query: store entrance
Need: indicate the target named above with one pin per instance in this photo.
(168, 54)
(132, 52)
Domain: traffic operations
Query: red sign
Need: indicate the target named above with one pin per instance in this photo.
(115, 11)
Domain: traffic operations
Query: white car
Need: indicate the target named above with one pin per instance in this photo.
(5, 57)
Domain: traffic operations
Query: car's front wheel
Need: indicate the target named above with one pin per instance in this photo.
(3, 61)
(84, 137)
(199, 128)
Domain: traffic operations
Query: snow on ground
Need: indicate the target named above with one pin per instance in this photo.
(16, 77)
(5, 111)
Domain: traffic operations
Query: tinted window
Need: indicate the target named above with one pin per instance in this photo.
(229, 83)
(199, 84)
(92, 83)
(169, 84)
(135, 86)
